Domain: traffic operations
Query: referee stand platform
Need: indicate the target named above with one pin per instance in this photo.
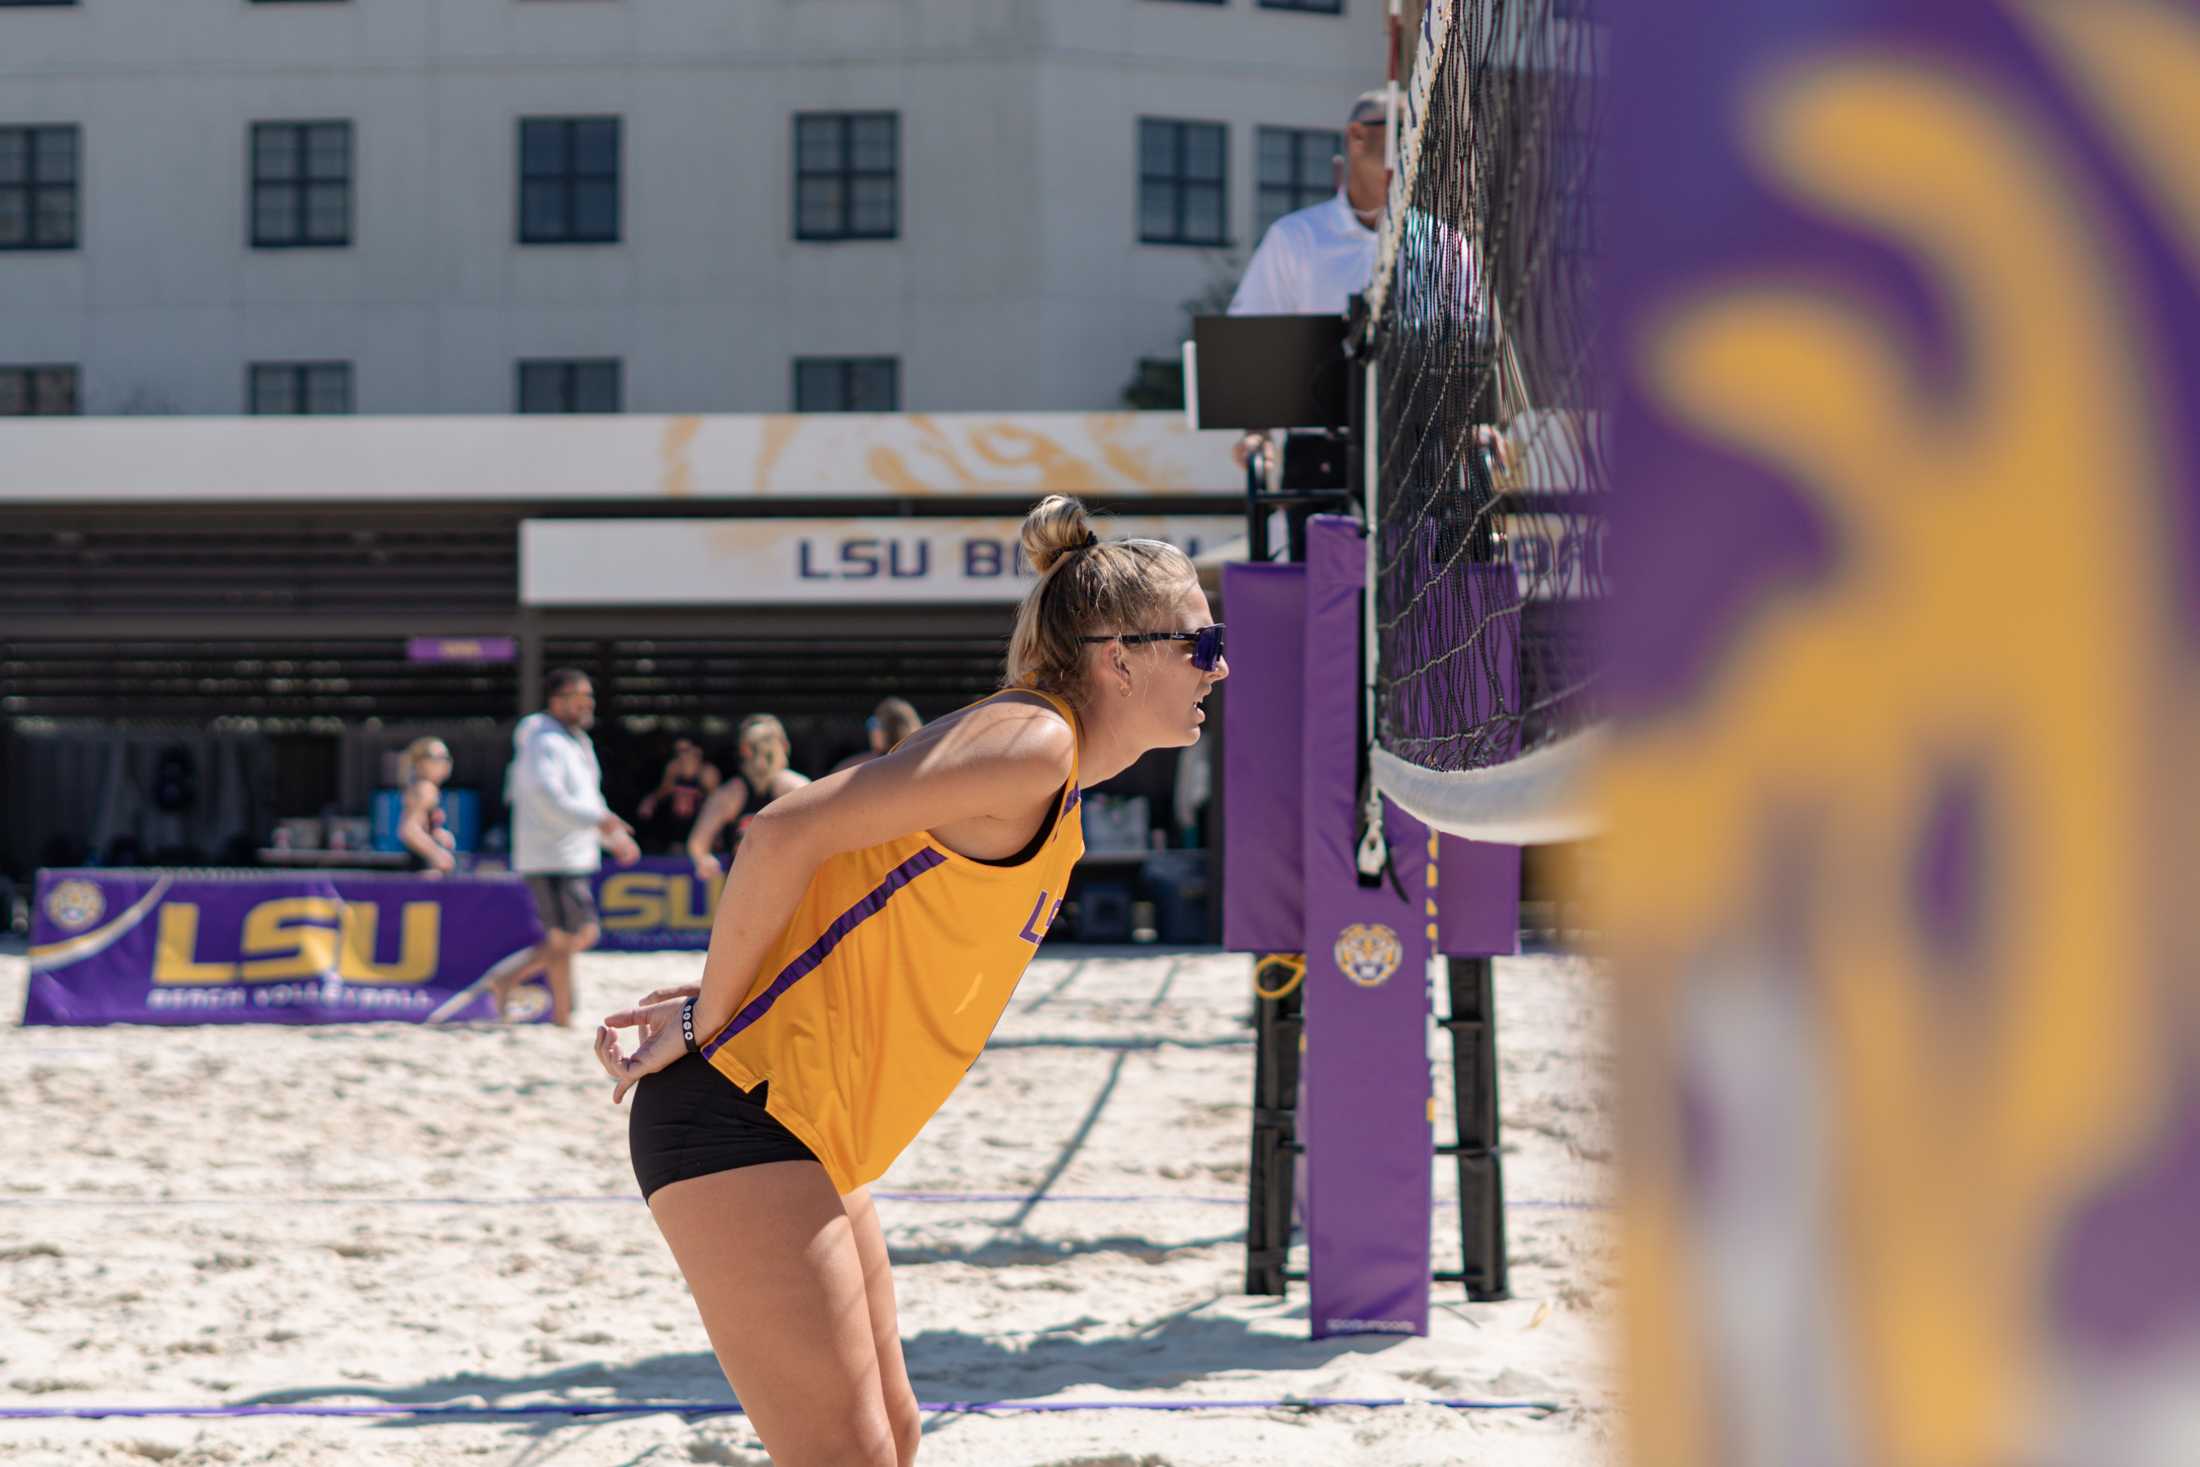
(1258, 374)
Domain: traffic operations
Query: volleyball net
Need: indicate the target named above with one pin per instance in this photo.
(1486, 461)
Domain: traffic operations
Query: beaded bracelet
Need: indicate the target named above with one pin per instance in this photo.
(687, 1023)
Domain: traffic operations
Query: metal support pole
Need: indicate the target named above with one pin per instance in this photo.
(1473, 1026)
(1256, 512)
(1278, 1023)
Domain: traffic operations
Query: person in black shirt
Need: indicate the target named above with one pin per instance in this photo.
(764, 778)
(670, 809)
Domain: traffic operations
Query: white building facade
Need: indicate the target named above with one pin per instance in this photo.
(651, 206)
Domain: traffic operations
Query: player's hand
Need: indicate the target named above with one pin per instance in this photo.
(707, 868)
(661, 1043)
(623, 850)
(684, 990)
(1500, 450)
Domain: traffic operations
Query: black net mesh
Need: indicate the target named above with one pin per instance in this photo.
(1489, 559)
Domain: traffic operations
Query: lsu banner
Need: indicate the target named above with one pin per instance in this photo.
(211, 947)
(655, 905)
(721, 562)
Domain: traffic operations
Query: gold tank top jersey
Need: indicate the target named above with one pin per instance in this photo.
(887, 983)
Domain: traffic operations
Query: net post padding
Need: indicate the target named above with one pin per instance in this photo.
(1365, 1115)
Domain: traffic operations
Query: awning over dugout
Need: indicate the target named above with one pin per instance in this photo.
(197, 567)
(277, 579)
(633, 459)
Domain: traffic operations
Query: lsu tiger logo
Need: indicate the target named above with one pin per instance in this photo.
(529, 1002)
(1368, 953)
(1972, 1159)
(75, 905)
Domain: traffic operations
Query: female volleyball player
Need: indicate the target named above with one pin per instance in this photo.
(425, 765)
(873, 927)
(892, 721)
(764, 778)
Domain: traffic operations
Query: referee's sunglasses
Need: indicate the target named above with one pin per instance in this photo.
(1206, 643)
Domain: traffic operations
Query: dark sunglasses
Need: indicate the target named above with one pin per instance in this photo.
(1206, 643)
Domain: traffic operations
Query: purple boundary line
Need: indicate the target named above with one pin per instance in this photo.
(929, 1198)
(730, 1408)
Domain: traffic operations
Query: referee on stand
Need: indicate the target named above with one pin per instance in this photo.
(1312, 262)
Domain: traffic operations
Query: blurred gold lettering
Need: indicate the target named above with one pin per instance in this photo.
(684, 914)
(300, 930)
(176, 949)
(633, 901)
(419, 945)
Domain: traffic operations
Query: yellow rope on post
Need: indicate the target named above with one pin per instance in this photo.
(1293, 966)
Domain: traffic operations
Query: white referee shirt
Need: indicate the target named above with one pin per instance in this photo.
(1310, 263)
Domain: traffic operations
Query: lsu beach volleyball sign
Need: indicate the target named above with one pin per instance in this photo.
(205, 947)
(749, 562)
(655, 905)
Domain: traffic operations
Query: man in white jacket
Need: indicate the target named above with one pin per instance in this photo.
(560, 829)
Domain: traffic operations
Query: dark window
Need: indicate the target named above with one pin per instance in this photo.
(576, 385)
(1296, 170)
(38, 392)
(38, 177)
(301, 185)
(1183, 177)
(1317, 7)
(299, 389)
(569, 180)
(847, 175)
(1158, 385)
(847, 385)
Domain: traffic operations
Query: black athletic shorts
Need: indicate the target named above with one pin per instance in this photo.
(563, 902)
(688, 1120)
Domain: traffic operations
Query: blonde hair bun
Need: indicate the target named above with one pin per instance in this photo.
(1057, 525)
(1085, 585)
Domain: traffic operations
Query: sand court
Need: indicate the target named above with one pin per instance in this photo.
(396, 1219)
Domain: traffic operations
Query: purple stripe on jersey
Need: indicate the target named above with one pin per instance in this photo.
(821, 949)
(1075, 795)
